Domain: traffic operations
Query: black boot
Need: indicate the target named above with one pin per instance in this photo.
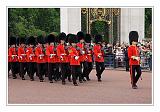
(63, 83)
(75, 84)
(134, 86)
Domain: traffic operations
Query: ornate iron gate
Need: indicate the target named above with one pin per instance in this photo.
(105, 21)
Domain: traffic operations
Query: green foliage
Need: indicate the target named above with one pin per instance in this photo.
(148, 22)
(100, 27)
(33, 21)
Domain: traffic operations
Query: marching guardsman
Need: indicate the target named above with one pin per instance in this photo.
(50, 52)
(9, 58)
(13, 56)
(45, 45)
(30, 51)
(81, 49)
(18, 64)
(40, 54)
(74, 60)
(89, 55)
(99, 56)
(61, 53)
(67, 46)
(22, 57)
(57, 60)
(134, 58)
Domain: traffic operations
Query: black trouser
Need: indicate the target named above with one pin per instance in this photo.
(68, 72)
(27, 68)
(36, 69)
(76, 72)
(127, 65)
(57, 72)
(133, 69)
(22, 69)
(63, 71)
(84, 68)
(14, 68)
(99, 69)
(46, 69)
(31, 69)
(9, 66)
(51, 71)
(90, 66)
(41, 70)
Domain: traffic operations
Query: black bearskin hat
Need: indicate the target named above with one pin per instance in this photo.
(88, 38)
(45, 40)
(40, 39)
(98, 38)
(22, 40)
(80, 35)
(51, 38)
(67, 38)
(133, 36)
(72, 38)
(62, 36)
(31, 40)
(12, 40)
(17, 41)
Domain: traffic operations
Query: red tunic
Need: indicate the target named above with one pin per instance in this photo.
(13, 54)
(9, 57)
(133, 51)
(51, 55)
(61, 53)
(98, 53)
(67, 56)
(72, 54)
(89, 55)
(82, 56)
(30, 54)
(22, 54)
(40, 55)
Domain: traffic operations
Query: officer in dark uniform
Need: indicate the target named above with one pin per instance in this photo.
(126, 58)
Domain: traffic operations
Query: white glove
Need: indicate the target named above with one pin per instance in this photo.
(76, 57)
(13, 56)
(137, 58)
(99, 56)
(61, 57)
(51, 55)
(83, 52)
(133, 57)
(20, 57)
(23, 54)
(30, 57)
(40, 56)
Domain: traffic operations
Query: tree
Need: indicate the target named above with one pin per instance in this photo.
(33, 21)
(148, 22)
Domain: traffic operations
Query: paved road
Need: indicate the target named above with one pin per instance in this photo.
(115, 88)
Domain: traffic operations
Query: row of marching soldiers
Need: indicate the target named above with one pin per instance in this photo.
(58, 57)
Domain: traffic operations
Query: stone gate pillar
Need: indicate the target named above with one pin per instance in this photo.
(70, 20)
(132, 19)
